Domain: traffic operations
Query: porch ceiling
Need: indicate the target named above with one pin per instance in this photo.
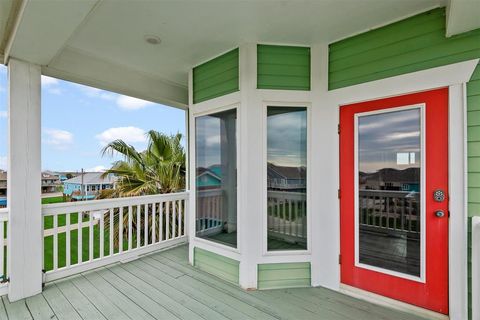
(68, 38)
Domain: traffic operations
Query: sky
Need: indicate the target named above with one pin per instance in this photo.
(286, 137)
(78, 121)
(386, 139)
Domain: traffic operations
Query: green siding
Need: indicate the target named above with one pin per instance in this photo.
(283, 275)
(217, 265)
(473, 140)
(283, 67)
(216, 77)
(406, 46)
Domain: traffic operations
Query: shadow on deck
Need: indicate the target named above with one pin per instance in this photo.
(163, 286)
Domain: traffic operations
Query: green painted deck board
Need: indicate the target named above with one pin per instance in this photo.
(84, 308)
(39, 308)
(59, 303)
(139, 287)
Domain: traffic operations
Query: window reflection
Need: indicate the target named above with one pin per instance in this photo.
(286, 178)
(216, 177)
(389, 169)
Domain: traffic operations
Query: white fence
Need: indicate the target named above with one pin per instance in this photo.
(111, 230)
(287, 218)
(209, 212)
(476, 268)
(390, 210)
(3, 251)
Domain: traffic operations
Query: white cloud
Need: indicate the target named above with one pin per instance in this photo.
(131, 103)
(59, 139)
(49, 81)
(97, 93)
(51, 85)
(97, 169)
(3, 162)
(3, 114)
(130, 135)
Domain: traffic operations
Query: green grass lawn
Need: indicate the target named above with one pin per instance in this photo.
(52, 200)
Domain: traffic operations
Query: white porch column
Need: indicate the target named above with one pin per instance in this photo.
(24, 185)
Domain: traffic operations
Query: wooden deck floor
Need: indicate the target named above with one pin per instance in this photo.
(164, 286)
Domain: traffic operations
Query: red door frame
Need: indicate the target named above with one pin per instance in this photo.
(433, 294)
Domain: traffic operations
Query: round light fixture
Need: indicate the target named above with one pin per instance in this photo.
(151, 39)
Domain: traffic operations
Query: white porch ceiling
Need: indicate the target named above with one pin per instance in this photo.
(67, 37)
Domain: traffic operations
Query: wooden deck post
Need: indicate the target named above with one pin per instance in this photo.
(24, 183)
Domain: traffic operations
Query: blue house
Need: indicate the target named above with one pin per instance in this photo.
(87, 185)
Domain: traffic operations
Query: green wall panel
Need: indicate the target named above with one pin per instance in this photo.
(216, 77)
(283, 67)
(473, 141)
(283, 275)
(220, 266)
(409, 45)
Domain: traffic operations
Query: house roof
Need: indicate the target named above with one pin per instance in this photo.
(92, 178)
(284, 172)
(410, 175)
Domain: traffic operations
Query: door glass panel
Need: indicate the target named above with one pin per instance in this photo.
(389, 171)
(216, 177)
(286, 178)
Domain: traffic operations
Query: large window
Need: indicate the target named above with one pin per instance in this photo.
(216, 177)
(287, 178)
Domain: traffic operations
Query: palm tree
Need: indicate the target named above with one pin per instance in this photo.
(158, 169)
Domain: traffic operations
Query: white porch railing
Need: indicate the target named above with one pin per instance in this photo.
(390, 210)
(476, 268)
(111, 230)
(3, 251)
(287, 215)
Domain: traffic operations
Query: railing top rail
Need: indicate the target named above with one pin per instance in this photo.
(3, 214)
(385, 193)
(90, 205)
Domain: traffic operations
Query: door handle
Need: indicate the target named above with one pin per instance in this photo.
(439, 213)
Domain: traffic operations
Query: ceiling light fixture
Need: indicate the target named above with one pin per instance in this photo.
(151, 39)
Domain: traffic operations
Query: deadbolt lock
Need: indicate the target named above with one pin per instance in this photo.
(439, 195)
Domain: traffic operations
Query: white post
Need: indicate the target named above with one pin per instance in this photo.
(24, 183)
(250, 167)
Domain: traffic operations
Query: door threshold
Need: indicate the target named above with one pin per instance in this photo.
(391, 303)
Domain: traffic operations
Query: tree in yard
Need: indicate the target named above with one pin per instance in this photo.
(158, 169)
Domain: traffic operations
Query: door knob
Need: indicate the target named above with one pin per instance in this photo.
(439, 213)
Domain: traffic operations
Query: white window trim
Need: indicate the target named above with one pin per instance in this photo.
(265, 251)
(423, 155)
(207, 108)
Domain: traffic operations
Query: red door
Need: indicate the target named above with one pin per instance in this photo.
(394, 198)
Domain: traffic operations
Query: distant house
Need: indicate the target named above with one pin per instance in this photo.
(286, 178)
(3, 183)
(50, 182)
(87, 185)
(391, 180)
(209, 178)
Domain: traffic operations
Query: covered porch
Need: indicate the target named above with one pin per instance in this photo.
(163, 285)
(285, 213)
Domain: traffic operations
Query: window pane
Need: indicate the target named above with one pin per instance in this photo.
(216, 177)
(287, 178)
(389, 168)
